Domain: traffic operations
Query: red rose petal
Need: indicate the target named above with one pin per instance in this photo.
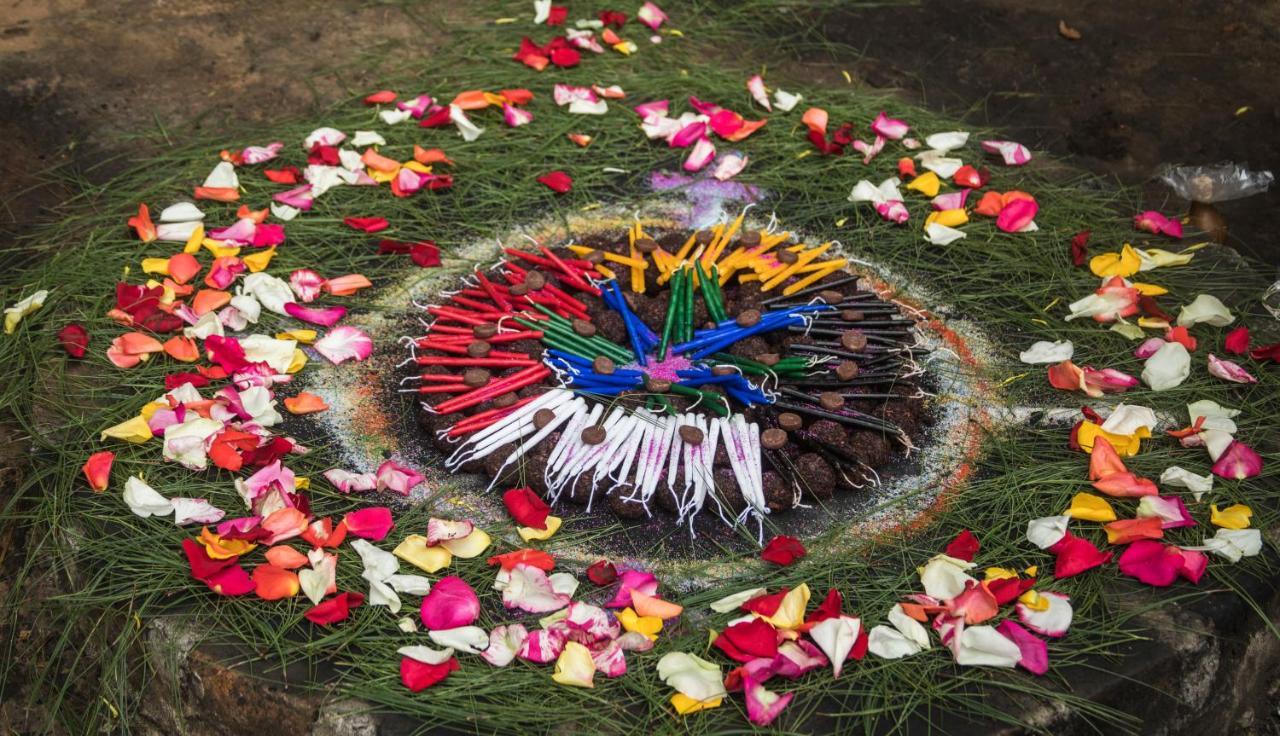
(783, 550)
(526, 508)
(556, 181)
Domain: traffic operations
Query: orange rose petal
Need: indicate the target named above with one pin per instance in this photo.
(1104, 460)
(375, 160)
(209, 300)
(183, 267)
(815, 118)
(648, 605)
(178, 289)
(305, 403)
(748, 127)
(430, 155)
(182, 348)
(532, 557)
(472, 99)
(142, 224)
(272, 583)
(286, 557)
(990, 204)
(139, 343)
(218, 194)
(258, 216)
(97, 469)
(518, 96)
(347, 285)
(285, 523)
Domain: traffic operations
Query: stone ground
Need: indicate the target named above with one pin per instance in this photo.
(1148, 82)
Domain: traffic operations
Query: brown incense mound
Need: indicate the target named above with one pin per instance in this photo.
(819, 439)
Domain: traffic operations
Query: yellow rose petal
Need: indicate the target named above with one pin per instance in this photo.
(414, 550)
(927, 184)
(1235, 516)
(790, 613)
(1150, 289)
(1126, 445)
(685, 705)
(195, 241)
(306, 337)
(472, 545)
(649, 626)
(132, 430)
(529, 534)
(575, 666)
(259, 260)
(1034, 601)
(1088, 507)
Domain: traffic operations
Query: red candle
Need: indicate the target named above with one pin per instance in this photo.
(484, 419)
(501, 337)
(493, 292)
(476, 362)
(479, 307)
(457, 315)
(518, 380)
(440, 378)
(447, 388)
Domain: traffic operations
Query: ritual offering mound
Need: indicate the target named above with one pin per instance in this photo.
(726, 372)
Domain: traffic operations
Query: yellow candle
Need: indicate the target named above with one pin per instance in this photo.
(805, 257)
(718, 246)
(830, 267)
(819, 265)
(684, 250)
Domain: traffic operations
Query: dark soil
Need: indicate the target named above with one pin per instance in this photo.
(1148, 82)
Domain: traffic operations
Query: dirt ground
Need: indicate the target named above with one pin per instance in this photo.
(1149, 81)
(75, 74)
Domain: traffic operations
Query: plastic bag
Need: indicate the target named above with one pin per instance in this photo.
(1215, 183)
(1271, 300)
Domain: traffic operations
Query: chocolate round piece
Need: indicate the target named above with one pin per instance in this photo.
(851, 315)
(749, 238)
(535, 280)
(768, 358)
(657, 385)
(594, 257)
(790, 421)
(853, 340)
(748, 318)
(847, 370)
(831, 296)
(505, 400)
(603, 365)
(788, 256)
(691, 434)
(478, 348)
(773, 438)
(475, 377)
(583, 328)
(704, 237)
(519, 289)
(543, 417)
(723, 370)
(485, 331)
(646, 245)
(594, 435)
(830, 400)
